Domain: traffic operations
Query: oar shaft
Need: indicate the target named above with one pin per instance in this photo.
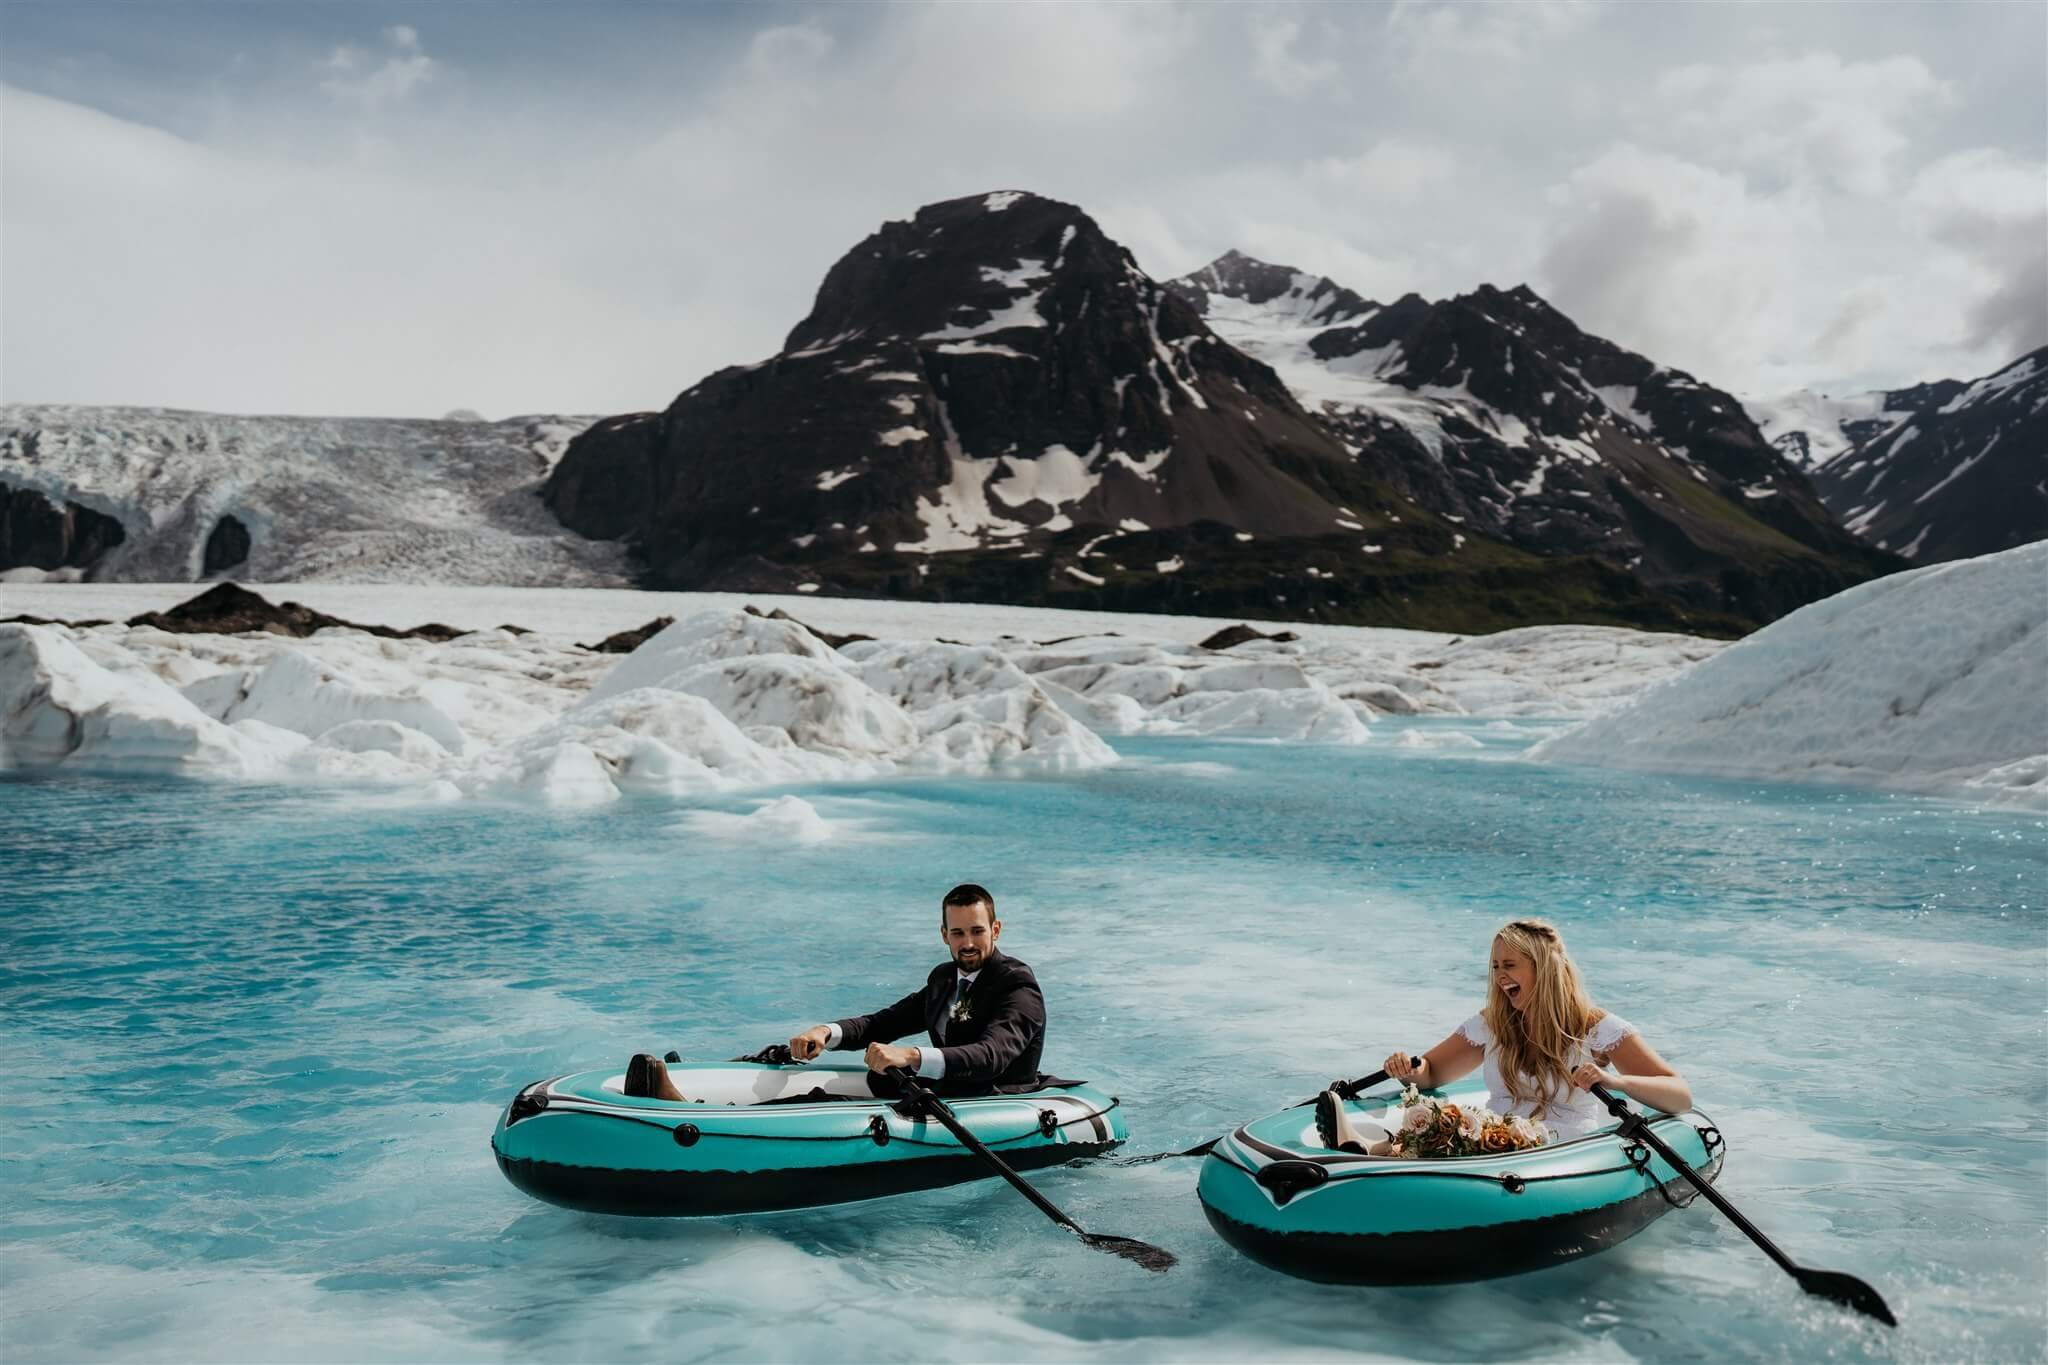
(1636, 1126)
(939, 1109)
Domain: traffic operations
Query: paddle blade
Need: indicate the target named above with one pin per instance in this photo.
(1848, 1291)
(1131, 1249)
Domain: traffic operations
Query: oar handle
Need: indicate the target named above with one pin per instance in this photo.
(1349, 1089)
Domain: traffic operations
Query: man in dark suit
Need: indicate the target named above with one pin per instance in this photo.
(982, 1009)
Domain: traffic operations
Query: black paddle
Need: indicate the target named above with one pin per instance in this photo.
(1348, 1089)
(1846, 1290)
(1130, 1248)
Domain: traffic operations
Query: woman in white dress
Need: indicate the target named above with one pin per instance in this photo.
(1543, 1042)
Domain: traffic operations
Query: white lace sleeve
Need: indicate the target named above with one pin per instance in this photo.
(1608, 1033)
(1475, 1032)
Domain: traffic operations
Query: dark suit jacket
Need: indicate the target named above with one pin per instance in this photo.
(995, 1048)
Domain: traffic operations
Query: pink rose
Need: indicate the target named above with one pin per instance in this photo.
(1417, 1120)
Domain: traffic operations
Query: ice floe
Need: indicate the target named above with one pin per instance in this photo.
(723, 700)
(1933, 681)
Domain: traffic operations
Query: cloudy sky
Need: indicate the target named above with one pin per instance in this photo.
(402, 209)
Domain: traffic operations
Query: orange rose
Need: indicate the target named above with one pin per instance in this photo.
(1498, 1137)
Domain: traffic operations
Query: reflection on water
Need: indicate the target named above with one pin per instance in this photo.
(257, 1042)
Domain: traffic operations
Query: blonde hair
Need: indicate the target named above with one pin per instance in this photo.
(1537, 1042)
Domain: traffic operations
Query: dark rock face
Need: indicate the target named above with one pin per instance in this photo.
(230, 609)
(992, 402)
(226, 547)
(626, 641)
(1231, 636)
(36, 533)
(1951, 470)
(836, 641)
(1496, 412)
(976, 378)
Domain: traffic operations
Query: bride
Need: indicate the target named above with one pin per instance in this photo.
(1543, 1042)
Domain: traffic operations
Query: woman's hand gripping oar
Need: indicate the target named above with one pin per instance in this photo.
(1348, 1089)
(1846, 1290)
(1130, 1248)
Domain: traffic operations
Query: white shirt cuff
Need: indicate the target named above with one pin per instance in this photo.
(931, 1063)
(832, 1036)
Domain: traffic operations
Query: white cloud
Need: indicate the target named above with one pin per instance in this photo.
(601, 244)
(269, 287)
(1491, 29)
(1391, 168)
(1276, 64)
(351, 78)
(1990, 209)
(1015, 62)
(1678, 260)
(792, 50)
(1813, 117)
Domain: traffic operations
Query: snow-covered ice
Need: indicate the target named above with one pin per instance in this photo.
(1933, 681)
(725, 700)
(1930, 681)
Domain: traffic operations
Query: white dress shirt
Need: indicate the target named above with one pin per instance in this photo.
(931, 1063)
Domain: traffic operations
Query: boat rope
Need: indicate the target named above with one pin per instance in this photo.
(688, 1134)
(1507, 1180)
(1638, 1155)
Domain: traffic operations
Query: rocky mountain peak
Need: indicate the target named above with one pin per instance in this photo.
(1497, 411)
(985, 378)
(1948, 469)
(961, 269)
(1277, 290)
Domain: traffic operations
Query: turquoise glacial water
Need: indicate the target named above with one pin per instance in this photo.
(256, 1041)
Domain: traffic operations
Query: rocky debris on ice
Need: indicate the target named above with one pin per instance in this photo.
(1327, 691)
(1929, 681)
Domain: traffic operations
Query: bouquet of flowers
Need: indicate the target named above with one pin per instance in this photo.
(1433, 1128)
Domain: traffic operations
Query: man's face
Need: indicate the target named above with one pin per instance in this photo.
(970, 935)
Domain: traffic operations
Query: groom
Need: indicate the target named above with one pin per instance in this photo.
(982, 1009)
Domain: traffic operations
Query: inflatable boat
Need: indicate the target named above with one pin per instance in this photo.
(755, 1137)
(1277, 1194)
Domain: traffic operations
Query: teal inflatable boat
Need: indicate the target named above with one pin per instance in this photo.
(1282, 1198)
(755, 1137)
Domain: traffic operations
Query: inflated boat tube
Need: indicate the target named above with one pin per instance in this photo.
(754, 1138)
(1277, 1194)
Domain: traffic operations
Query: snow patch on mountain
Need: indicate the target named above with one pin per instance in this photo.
(1995, 385)
(1812, 429)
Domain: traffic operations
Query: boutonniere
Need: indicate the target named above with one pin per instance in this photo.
(963, 1008)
